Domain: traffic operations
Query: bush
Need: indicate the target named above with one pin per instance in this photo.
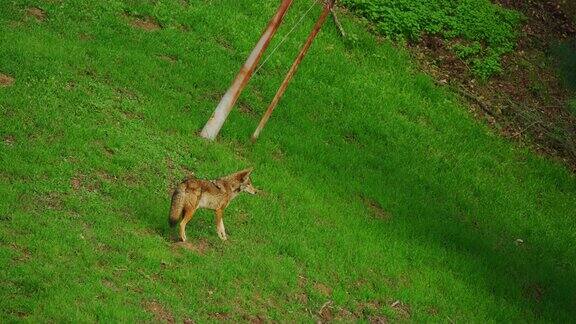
(488, 29)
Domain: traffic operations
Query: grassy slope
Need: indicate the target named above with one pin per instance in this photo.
(97, 128)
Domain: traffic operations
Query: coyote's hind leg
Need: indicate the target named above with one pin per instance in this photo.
(188, 213)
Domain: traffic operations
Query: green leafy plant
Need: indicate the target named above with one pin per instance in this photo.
(490, 30)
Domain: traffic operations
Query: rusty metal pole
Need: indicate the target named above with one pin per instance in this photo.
(325, 12)
(214, 124)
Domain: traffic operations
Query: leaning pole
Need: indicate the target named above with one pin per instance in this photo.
(327, 8)
(214, 124)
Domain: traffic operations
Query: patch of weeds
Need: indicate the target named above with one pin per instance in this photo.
(466, 51)
(490, 30)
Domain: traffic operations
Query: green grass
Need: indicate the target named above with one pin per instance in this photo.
(380, 186)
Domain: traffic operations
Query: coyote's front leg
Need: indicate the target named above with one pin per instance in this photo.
(220, 225)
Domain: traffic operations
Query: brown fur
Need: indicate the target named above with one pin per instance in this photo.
(193, 193)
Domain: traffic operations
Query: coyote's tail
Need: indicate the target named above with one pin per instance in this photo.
(177, 206)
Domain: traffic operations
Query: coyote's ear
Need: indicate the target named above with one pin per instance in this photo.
(244, 174)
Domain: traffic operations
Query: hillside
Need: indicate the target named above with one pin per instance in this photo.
(383, 197)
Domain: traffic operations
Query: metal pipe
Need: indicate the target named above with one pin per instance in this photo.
(293, 68)
(214, 124)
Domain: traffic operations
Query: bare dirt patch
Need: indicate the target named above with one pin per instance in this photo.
(52, 200)
(352, 138)
(212, 95)
(302, 298)
(146, 23)
(331, 313)
(183, 28)
(366, 309)
(70, 85)
(245, 108)
(85, 37)
(401, 309)
(375, 208)
(225, 44)
(36, 13)
(432, 311)
(160, 313)
(199, 246)
(9, 140)
(344, 314)
(108, 151)
(23, 253)
(254, 319)
(76, 183)
(168, 58)
(323, 289)
(103, 247)
(125, 93)
(220, 316)
(302, 281)
(301, 295)
(109, 284)
(371, 311)
(22, 314)
(6, 80)
(278, 154)
(133, 115)
(326, 311)
(103, 175)
(80, 181)
(131, 179)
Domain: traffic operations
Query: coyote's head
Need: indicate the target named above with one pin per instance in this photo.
(244, 181)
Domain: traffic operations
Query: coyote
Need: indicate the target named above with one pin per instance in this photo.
(193, 193)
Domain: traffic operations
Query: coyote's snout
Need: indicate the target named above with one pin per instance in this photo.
(193, 193)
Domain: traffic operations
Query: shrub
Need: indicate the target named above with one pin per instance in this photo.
(490, 30)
